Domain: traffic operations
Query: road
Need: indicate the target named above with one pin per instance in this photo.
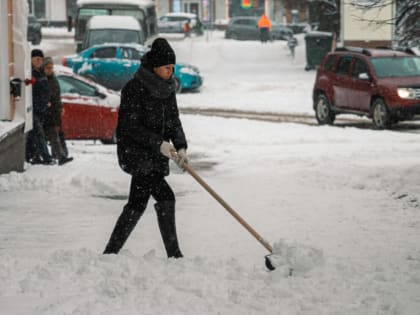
(305, 119)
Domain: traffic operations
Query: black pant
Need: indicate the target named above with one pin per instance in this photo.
(57, 149)
(36, 143)
(264, 34)
(140, 191)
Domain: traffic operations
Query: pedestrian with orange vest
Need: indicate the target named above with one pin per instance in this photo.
(264, 26)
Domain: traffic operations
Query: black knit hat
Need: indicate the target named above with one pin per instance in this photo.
(161, 53)
(37, 53)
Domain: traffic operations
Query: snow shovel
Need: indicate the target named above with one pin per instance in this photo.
(268, 262)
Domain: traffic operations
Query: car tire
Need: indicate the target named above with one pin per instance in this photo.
(37, 39)
(178, 86)
(380, 114)
(324, 114)
(233, 36)
(113, 140)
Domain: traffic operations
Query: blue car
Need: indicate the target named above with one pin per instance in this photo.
(113, 65)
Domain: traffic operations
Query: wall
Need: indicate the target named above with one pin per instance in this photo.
(359, 30)
(4, 64)
(17, 64)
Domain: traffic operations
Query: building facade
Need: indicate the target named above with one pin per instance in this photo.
(15, 97)
(52, 12)
(364, 25)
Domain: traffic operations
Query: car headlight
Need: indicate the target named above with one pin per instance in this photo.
(408, 93)
(188, 70)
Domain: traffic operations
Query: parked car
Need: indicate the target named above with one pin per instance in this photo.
(113, 65)
(90, 111)
(34, 33)
(245, 28)
(112, 29)
(280, 32)
(383, 84)
(175, 23)
(298, 28)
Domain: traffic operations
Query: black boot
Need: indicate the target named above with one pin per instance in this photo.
(166, 218)
(125, 224)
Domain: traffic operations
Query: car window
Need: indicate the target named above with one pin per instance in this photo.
(343, 65)
(106, 52)
(101, 36)
(138, 14)
(359, 67)
(329, 63)
(396, 67)
(180, 18)
(130, 53)
(251, 22)
(240, 22)
(70, 85)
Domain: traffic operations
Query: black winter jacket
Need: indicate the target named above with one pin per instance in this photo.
(55, 110)
(40, 94)
(148, 115)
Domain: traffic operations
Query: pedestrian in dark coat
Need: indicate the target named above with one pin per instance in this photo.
(36, 144)
(149, 133)
(52, 125)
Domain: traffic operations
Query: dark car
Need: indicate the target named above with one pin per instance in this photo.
(299, 28)
(383, 84)
(34, 34)
(245, 28)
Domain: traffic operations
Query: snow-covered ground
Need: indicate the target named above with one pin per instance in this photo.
(341, 205)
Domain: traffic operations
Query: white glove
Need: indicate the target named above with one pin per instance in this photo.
(181, 158)
(167, 149)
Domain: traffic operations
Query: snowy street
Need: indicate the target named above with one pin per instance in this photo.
(341, 204)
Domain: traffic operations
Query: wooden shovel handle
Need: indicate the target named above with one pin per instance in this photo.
(254, 233)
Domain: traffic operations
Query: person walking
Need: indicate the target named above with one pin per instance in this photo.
(52, 125)
(69, 23)
(149, 133)
(292, 43)
(36, 143)
(264, 25)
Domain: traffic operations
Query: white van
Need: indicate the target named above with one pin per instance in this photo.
(103, 29)
(143, 10)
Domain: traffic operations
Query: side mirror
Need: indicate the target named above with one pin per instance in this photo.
(364, 76)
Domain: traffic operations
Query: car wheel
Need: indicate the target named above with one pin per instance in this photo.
(323, 112)
(113, 140)
(380, 114)
(178, 86)
(37, 39)
(233, 36)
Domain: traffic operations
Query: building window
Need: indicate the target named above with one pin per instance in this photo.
(37, 8)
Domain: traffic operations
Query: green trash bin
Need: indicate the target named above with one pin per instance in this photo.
(318, 44)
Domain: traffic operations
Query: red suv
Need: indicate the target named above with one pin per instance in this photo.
(383, 84)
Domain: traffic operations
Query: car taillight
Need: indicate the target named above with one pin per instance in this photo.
(64, 61)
